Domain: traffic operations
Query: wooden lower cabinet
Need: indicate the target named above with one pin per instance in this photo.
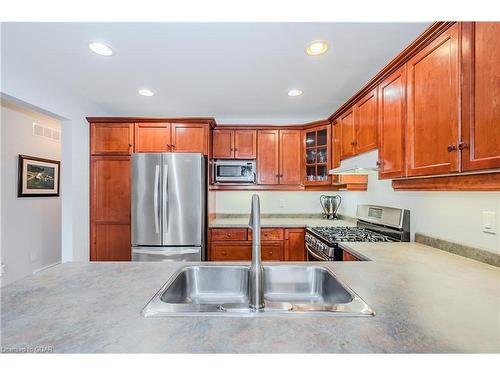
(294, 245)
(278, 244)
(111, 242)
(110, 208)
(230, 251)
(348, 257)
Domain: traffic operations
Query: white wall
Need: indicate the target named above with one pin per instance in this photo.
(455, 216)
(31, 227)
(23, 82)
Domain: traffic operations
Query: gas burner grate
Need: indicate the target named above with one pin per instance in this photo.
(349, 234)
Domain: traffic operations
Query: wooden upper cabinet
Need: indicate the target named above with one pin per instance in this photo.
(290, 157)
(267, 157)
(223, 144)
(392, 115)
(234, 144)
(336, 144)
(152, 137)
(365, 122)
(245, 144)
(111, 138)
(347, 134)
(481, 95)
(433, 107)
(190, 137)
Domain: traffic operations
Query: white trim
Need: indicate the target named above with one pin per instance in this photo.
(47, 266)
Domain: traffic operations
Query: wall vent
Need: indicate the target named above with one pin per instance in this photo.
(46, 132)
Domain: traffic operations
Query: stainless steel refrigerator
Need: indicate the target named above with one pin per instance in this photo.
(168, 207)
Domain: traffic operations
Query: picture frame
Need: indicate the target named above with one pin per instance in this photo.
(38, 177)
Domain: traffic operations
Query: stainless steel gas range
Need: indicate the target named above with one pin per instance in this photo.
(374, 224)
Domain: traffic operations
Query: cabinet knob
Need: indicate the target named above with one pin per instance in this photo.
(462, 145)
(452, 148)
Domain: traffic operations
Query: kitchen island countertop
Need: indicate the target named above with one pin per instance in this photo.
(426, 300)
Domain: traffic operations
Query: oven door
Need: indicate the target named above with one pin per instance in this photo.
(315, 256)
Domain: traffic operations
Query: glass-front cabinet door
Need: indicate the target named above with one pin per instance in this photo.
(317, 155)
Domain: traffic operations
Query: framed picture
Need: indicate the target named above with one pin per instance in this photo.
(38, 177)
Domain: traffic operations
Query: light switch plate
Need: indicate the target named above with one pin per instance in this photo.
(489, 222)
(282, 203)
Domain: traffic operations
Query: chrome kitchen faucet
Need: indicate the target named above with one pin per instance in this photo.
(256, 275)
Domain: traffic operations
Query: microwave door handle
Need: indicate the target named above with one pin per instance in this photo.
(165, 197)
(156, 187)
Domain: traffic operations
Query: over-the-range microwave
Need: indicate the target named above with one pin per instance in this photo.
(235, 171)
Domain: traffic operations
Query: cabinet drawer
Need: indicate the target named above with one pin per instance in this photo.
(224, 251)
(229, 234)
(272, 251)
(269, 234)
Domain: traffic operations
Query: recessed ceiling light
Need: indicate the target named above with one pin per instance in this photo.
(100, 49)
(295, 92)
(317, 47)
(146, 92)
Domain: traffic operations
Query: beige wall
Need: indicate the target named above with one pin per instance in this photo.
(30, 227)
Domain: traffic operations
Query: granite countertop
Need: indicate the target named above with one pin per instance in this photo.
(426, 300)
(280, 221)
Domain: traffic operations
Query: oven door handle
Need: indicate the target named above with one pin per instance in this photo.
(315, 255)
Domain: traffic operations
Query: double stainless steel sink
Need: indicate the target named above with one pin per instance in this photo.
(223, 290)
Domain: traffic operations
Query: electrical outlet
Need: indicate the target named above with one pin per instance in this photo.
(3, 270)
(489, 222)
(282, 203)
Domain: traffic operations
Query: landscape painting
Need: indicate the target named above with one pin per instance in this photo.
(38, 177)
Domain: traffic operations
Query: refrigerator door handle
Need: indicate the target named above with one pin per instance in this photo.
(165, 197)
(156, 187)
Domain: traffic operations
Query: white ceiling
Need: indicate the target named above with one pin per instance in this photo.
(235, 72)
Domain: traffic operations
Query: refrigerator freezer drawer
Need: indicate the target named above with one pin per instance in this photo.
(166, 254)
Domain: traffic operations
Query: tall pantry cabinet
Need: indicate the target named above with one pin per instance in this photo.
(112, 142)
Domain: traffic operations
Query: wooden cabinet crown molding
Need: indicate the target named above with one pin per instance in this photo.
(207, 120)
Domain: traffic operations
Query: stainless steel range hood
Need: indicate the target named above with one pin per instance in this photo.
(363, 164)
(353, 170)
